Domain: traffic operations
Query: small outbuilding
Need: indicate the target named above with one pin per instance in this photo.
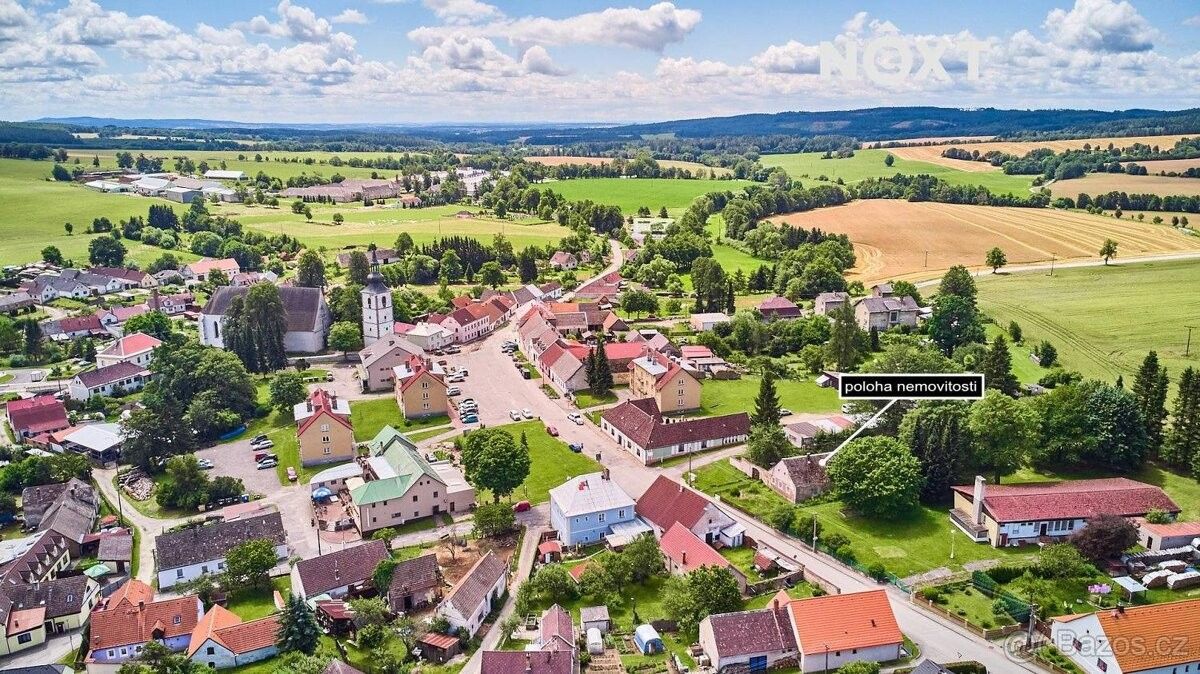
(439, 648)
(595, 617)
(647, 640)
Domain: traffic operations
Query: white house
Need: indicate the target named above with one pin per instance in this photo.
(222, 640)
(1105, 642)
(430, 336)
(137, 348)
(123, 377)
(476, 594)
(701, 322)
(189, 553)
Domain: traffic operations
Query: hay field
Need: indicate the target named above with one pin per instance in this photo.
(596, 161)
(891, 237)
(1103, 320)
(275, 164)
(933, 153)
(1102, 183)
(632, 193)
(939, 140)
(808, 166)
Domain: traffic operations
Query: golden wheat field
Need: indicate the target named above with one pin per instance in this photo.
(917, 240)
(1103, 183)
(933, 153)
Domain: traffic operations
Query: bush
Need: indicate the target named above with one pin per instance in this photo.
(877, 571)
(1005, 574)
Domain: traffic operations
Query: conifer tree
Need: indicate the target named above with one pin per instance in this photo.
(1150, 390)
(997, 367)
(766, 405)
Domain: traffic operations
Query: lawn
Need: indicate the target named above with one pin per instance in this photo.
(551, 463)
(282, 165)
(800, 590)
(35, 209)
(632, 193)
(258, 603)
(968, 602)
(809, 166)
(370, 416)
(912, 544)
(428, 433)
(1144, 307)
(150, 507)
(585, 399)
(1023, 367)
(737, 395)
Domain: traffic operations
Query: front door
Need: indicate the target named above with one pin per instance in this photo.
(1044, 528)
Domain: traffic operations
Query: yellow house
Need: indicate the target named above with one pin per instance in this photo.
(673, 389)
(34, 601)
(323, 429)
(420, 389)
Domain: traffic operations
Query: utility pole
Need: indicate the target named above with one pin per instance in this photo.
(926, 259)
(1053, 258)
(1187, 349)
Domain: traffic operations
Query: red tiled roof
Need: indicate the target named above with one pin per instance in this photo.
(108, 374)
(80, 323)
(41, 414)
(1172, 528)
(322, 405)
(842, 622)
(667, 502)
(132, 344)
(204, 266)
(400, 328)
(777, 303)
(437, 640)
(419, 367)
(623, 350)
(1176, 622)
(528, 662)
(1071, 500)
(688, 551)
(558, 631)
(548, 547)
(641, 422)
(228, 630)
(122, 622)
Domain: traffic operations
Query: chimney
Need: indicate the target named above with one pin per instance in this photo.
(528, 662)
(873, 622)
(141, 604)
(775, 603)
(683, 562)
(977, 504)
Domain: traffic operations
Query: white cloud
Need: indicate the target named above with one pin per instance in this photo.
(1193, 21)
(1101, 25)
(652, 29)
(463, 11)
(537, 60)
(84, 22)
(297, 23)
(350, 16)
(792, 57)
(14, 19)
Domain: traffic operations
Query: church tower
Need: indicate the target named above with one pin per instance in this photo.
(376, 309)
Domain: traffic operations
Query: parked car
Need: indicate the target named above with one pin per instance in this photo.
(328, 376)
(525, 374)
(453, 348)
(521, 506)
(262, 456)
(258, 438)
(291, 473)
(552, 431)
(576, 417)
(783, 411)
(267, 463)
(453, 391)
(526, 413)
(455, 379)
(462, 372)
(514, 415)
(470, 419)
(576, 447)
(262, 444)
(205, 464)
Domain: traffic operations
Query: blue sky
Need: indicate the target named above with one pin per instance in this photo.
(473, 60)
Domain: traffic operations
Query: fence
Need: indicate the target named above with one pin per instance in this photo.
(776, 583)
(986, 633)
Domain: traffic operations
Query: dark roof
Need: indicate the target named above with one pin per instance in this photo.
(213, 541)
(750, 632)
(804, 469)
(70, 519)
(929, 667)
(339, 667)
(302, 306)
(472, 589)
(117, 548)
(414, 575)
(882, 304)
(338, 569)
(529, 662)
(36, 669)
(61, 596)
(1071, 500)
(35, 501)
(641, 422)
(375, 284)
(111, 373)
(667, 502)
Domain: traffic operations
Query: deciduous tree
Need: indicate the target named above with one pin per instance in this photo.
(877, 476)
(287, 390)
(1004, 429)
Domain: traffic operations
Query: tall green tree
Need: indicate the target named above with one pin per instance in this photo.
(287, 390)
(996, 259)
(358, 268)
(310, 270)
(1005, 430)
(1150, 391)
(1119, 430)
(247, 564)
(266, 323)
(954, 322)
(957, 281)
(766, 405)
(105, 251)
(940, 437)
(603, 376)
(1108, 250)
(154, 323)
(997, 368)
(877, 476)
(1182, 446)
(767, 445)
(846, 340)
(345, 336)
(298, 629)
(497, 464)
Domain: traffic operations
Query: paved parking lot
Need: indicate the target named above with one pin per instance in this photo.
(236, 459)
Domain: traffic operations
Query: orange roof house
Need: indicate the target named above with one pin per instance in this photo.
(1176, 623)
(323, 429)
(222, 640)
(129, 619)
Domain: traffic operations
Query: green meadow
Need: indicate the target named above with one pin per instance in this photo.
(632, 193)
(809, 166)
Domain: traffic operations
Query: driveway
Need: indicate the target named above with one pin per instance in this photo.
(236, 459)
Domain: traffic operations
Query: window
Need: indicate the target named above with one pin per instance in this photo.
(28, 636)
(601, 517)
(416, 513)
(204, 568)
(621, 513)
(424, 384)
(210, 650)
(324, 428)
(414, 498)
(435, 494)
(175, 620)
(395, 515)
(123, 650)
(179, 573)
(327, 450)
(325, 439)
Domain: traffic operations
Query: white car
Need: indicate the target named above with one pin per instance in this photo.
(206, 464)
(454, 391)
(262, 444)
(576, 417)
(526, 413)
(455, 379)
(514, 415)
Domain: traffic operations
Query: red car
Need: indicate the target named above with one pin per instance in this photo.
(552, 431)
(521, 506)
